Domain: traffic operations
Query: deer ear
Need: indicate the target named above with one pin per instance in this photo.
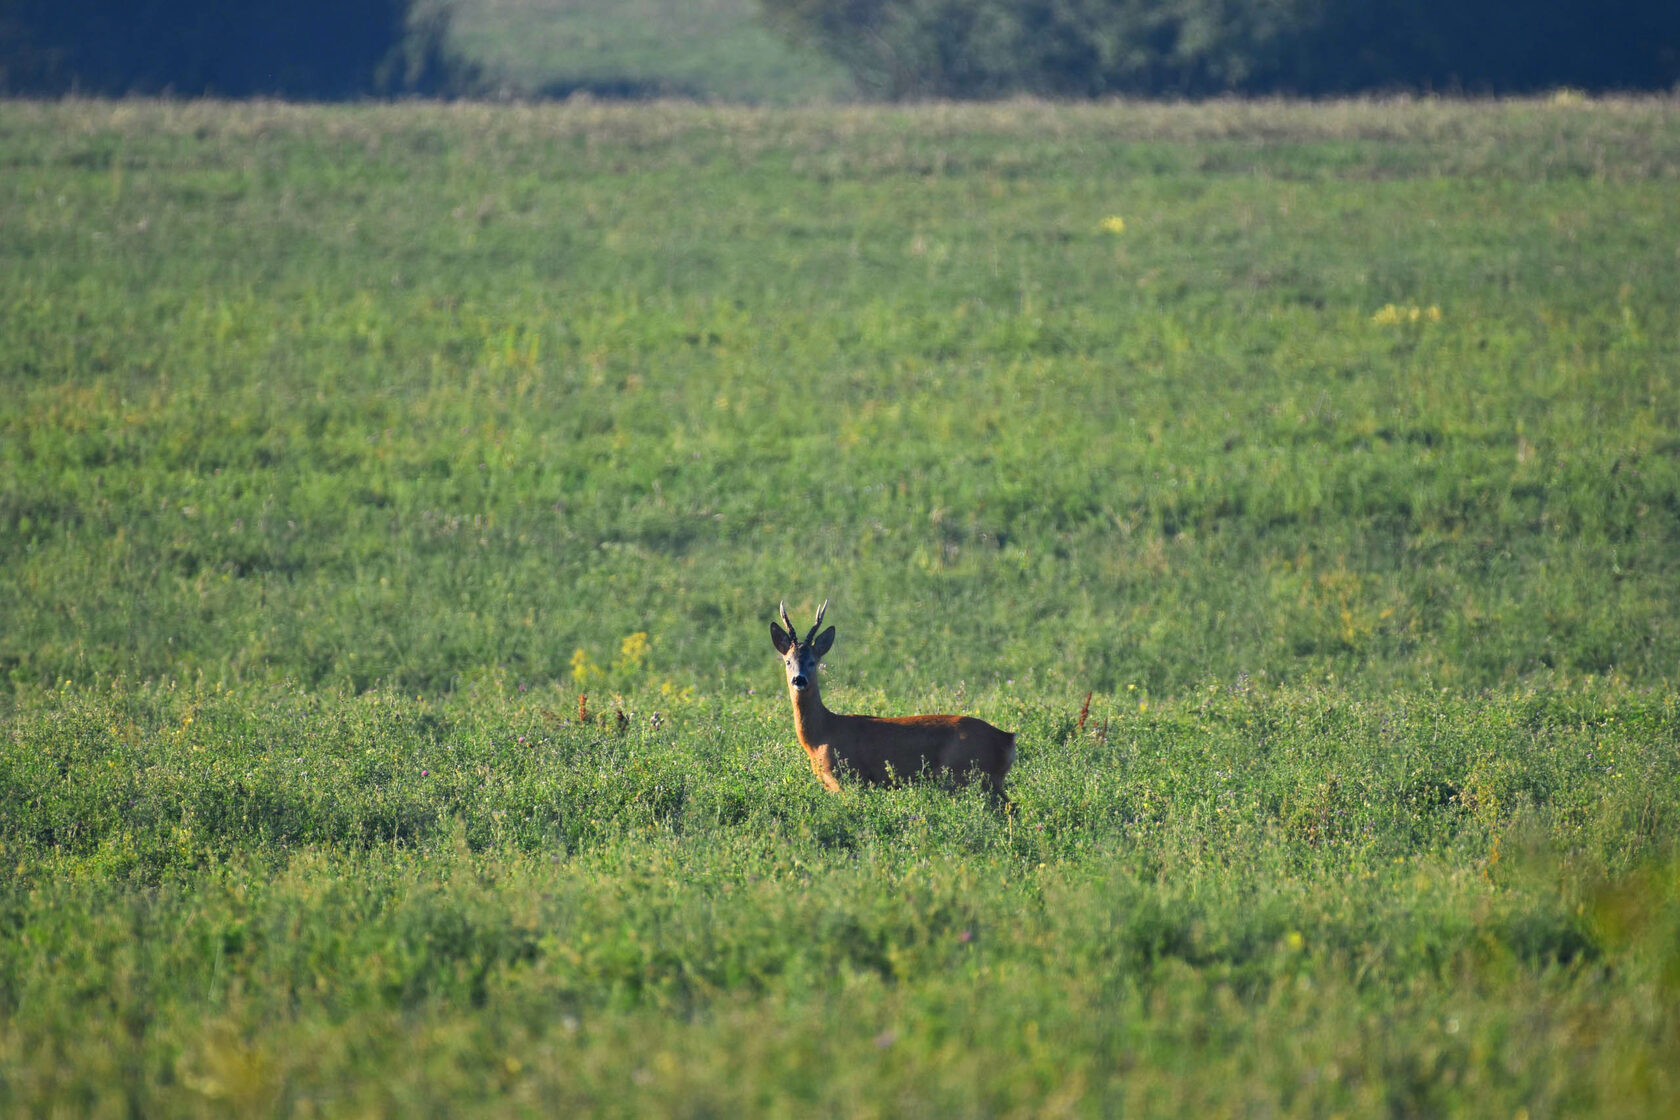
(780, 639)
(824, 640)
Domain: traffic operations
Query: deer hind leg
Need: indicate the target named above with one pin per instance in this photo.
(996, 794)
(996, 770)
(951, 768)
(958, 773)
(952, 779)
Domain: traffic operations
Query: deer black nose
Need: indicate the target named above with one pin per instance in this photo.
(799, 681)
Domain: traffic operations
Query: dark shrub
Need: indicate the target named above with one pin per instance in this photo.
(1088, 48)
(310, 49)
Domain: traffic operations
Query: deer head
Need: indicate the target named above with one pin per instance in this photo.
(801, 658)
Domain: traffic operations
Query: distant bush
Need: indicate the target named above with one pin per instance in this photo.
(1090, 48)
(311, 49)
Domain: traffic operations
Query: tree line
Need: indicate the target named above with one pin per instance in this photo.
(330, 49)
(310, 49)
(1194, 48)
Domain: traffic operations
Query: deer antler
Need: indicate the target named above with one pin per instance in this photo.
(817, 623)
(788, 622)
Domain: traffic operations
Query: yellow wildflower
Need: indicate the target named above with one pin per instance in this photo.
(1391, 314)
(1114, 223)
(632, 652)
(584, 668)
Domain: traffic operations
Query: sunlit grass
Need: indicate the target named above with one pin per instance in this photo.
(712, 49)
(295, 894)
(393, 499)
(466, 386)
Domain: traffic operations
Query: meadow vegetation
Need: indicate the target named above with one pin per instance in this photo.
(706, 49)
(1333, 451)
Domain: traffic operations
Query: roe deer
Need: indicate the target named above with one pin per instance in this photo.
(876, 749)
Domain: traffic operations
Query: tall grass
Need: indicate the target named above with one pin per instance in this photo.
(272, 901)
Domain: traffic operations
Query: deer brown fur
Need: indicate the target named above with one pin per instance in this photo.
(880, 750)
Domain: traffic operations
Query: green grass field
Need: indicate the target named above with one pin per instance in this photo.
(1332, 450)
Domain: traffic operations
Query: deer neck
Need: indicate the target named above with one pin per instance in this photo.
(810, 718)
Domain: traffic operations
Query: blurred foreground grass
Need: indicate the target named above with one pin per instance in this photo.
(258, 902)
